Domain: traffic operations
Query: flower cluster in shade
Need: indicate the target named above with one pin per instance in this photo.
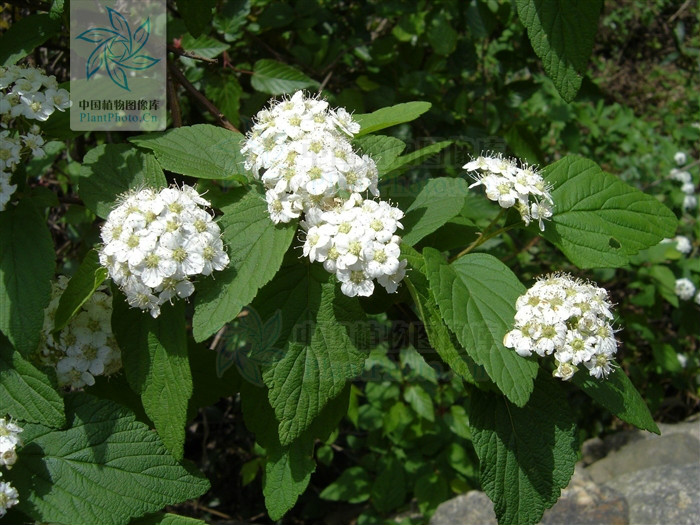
(685, 290)
(156, 242)
(569, 319)
(300, 149)
(511, 183)
(86, 346)
(9, 441)
(685, 179)
(26, 94)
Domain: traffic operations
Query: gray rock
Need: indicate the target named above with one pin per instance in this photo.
(472, 508)
(592, 450)
(661, 495)
(674, 449)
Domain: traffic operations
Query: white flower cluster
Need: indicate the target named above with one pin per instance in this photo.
(26, 93)
(569, 318)
(9, 440)
(690, 200)
(86, 347)
(512, 185)
(685, 289)
(300, 149)
(156, 241)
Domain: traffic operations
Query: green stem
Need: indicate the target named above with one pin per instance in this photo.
(484, 236)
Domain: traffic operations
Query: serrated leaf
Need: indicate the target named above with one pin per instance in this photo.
(600, 221)
(204, 46)
(526, 454)
(476, 295)
(87, 279)
(225, 92)
(312, 373)
(390, 116)
(415, 158)
(420, 401)
(203, 151)
(250, 237)
(154, 353)
(439, 201)
(276, 78)
(109, 170)
(382, 148)
(105, 468)
(196, 14)
(562, 34)
(25, 35)
(618, 395)
(27, 264)
(27, 393)
(440, 337)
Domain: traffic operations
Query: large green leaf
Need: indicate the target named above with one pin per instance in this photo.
(440, 200)
(154, 353)
(390, 116)
(415, 158)
(476, 295)
(25, 35)
(105, 468)
(225, 92)
(617, 394)
(196, 14)
(167, 519)
(87, 279)
(526, 454)
(562, 34)
(109, 170)
(440, 337)
(26, 393)
(203, 151)
(599, 221)
(276, 78)
(315, 369)
(27, 264)
(382, 148)
(256, 247)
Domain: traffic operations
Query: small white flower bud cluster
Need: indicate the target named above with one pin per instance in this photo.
(26, 93)
(9, 440)
(685, 289)
(86, 346)
(155, 241)
(512, 185)
(301, 151)
(690, 200)
(569, 318)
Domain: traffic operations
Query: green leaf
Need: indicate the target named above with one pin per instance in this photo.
(352, 486)
(415, 158)
(562, 35)
(225, 92)
(389, 487)
(196, 14)
(440, 200)
(599, 221)
(313, 372)
(203, 151)
(251, 238)
(27, 264)
(109, 170)
(382, 148)
(166, 519)
(276, 78)
(420, 402)
(440, 337)
(154, 353)
(105, 468)
(618, 395)
(390, 116)
(204, 46)
(25, 35)
(287, 474)
(57, 8)
(87, 279)
(26, 393)
(431, 489)
(526, 454)
(476, 295)
(442, 36)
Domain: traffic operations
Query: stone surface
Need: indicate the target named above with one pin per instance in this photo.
(673, 449)
(472, 508)
(661, 495)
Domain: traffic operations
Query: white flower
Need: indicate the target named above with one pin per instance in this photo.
(688, 188)
(9, 441)
(690, 202)
(683, 244)
(6, 189)
(9, 497)
(679, 158)
(680, 176)
(684, 289)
